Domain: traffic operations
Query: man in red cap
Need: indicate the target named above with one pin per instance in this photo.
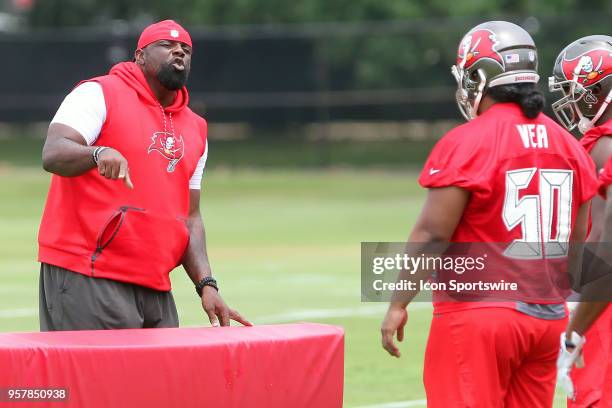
(123, 209)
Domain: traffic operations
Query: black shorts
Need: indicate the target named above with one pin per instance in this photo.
(72, 301)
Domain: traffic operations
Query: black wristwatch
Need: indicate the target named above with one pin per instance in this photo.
(207, 281)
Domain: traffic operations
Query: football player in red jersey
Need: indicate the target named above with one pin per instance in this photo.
(508, 175)
(583, 74)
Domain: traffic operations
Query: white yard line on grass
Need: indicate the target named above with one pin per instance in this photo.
(8, 290)
(421, 403)
(306, 314)
(397, 404)
(14, 313)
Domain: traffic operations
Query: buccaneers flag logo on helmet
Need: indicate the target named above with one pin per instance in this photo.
(169, 146)
(589, 68)
(478, 44)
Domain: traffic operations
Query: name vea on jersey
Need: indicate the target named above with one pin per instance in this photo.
(533, 136)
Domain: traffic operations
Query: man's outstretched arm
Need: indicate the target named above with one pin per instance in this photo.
(588, 311)
(197, 266)
(66, 153)
(437, 222)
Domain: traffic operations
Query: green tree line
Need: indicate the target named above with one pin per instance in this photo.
(59, 13)
(407, 57)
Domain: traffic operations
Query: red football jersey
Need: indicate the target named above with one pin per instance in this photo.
(589, 140)
(592, 135)
(605, 178)
(527, 179)
(512, 164)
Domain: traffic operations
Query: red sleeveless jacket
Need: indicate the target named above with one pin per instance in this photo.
(99, 227)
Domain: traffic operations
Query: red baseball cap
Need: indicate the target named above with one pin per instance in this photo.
(164, 30)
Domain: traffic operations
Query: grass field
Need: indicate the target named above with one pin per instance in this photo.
(284, 245)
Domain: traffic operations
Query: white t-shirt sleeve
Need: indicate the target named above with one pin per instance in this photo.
(84, 110)
(196, 179)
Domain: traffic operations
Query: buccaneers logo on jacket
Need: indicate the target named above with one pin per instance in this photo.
(476, 45)
(588, 68)
(169, 146)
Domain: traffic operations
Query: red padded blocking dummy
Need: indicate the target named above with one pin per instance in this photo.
(277, 366)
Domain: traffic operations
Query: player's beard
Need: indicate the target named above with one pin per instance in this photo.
(171, 78)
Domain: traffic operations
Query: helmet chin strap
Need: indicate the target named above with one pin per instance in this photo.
(585, 123)
(461, 95)
(472, 110)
